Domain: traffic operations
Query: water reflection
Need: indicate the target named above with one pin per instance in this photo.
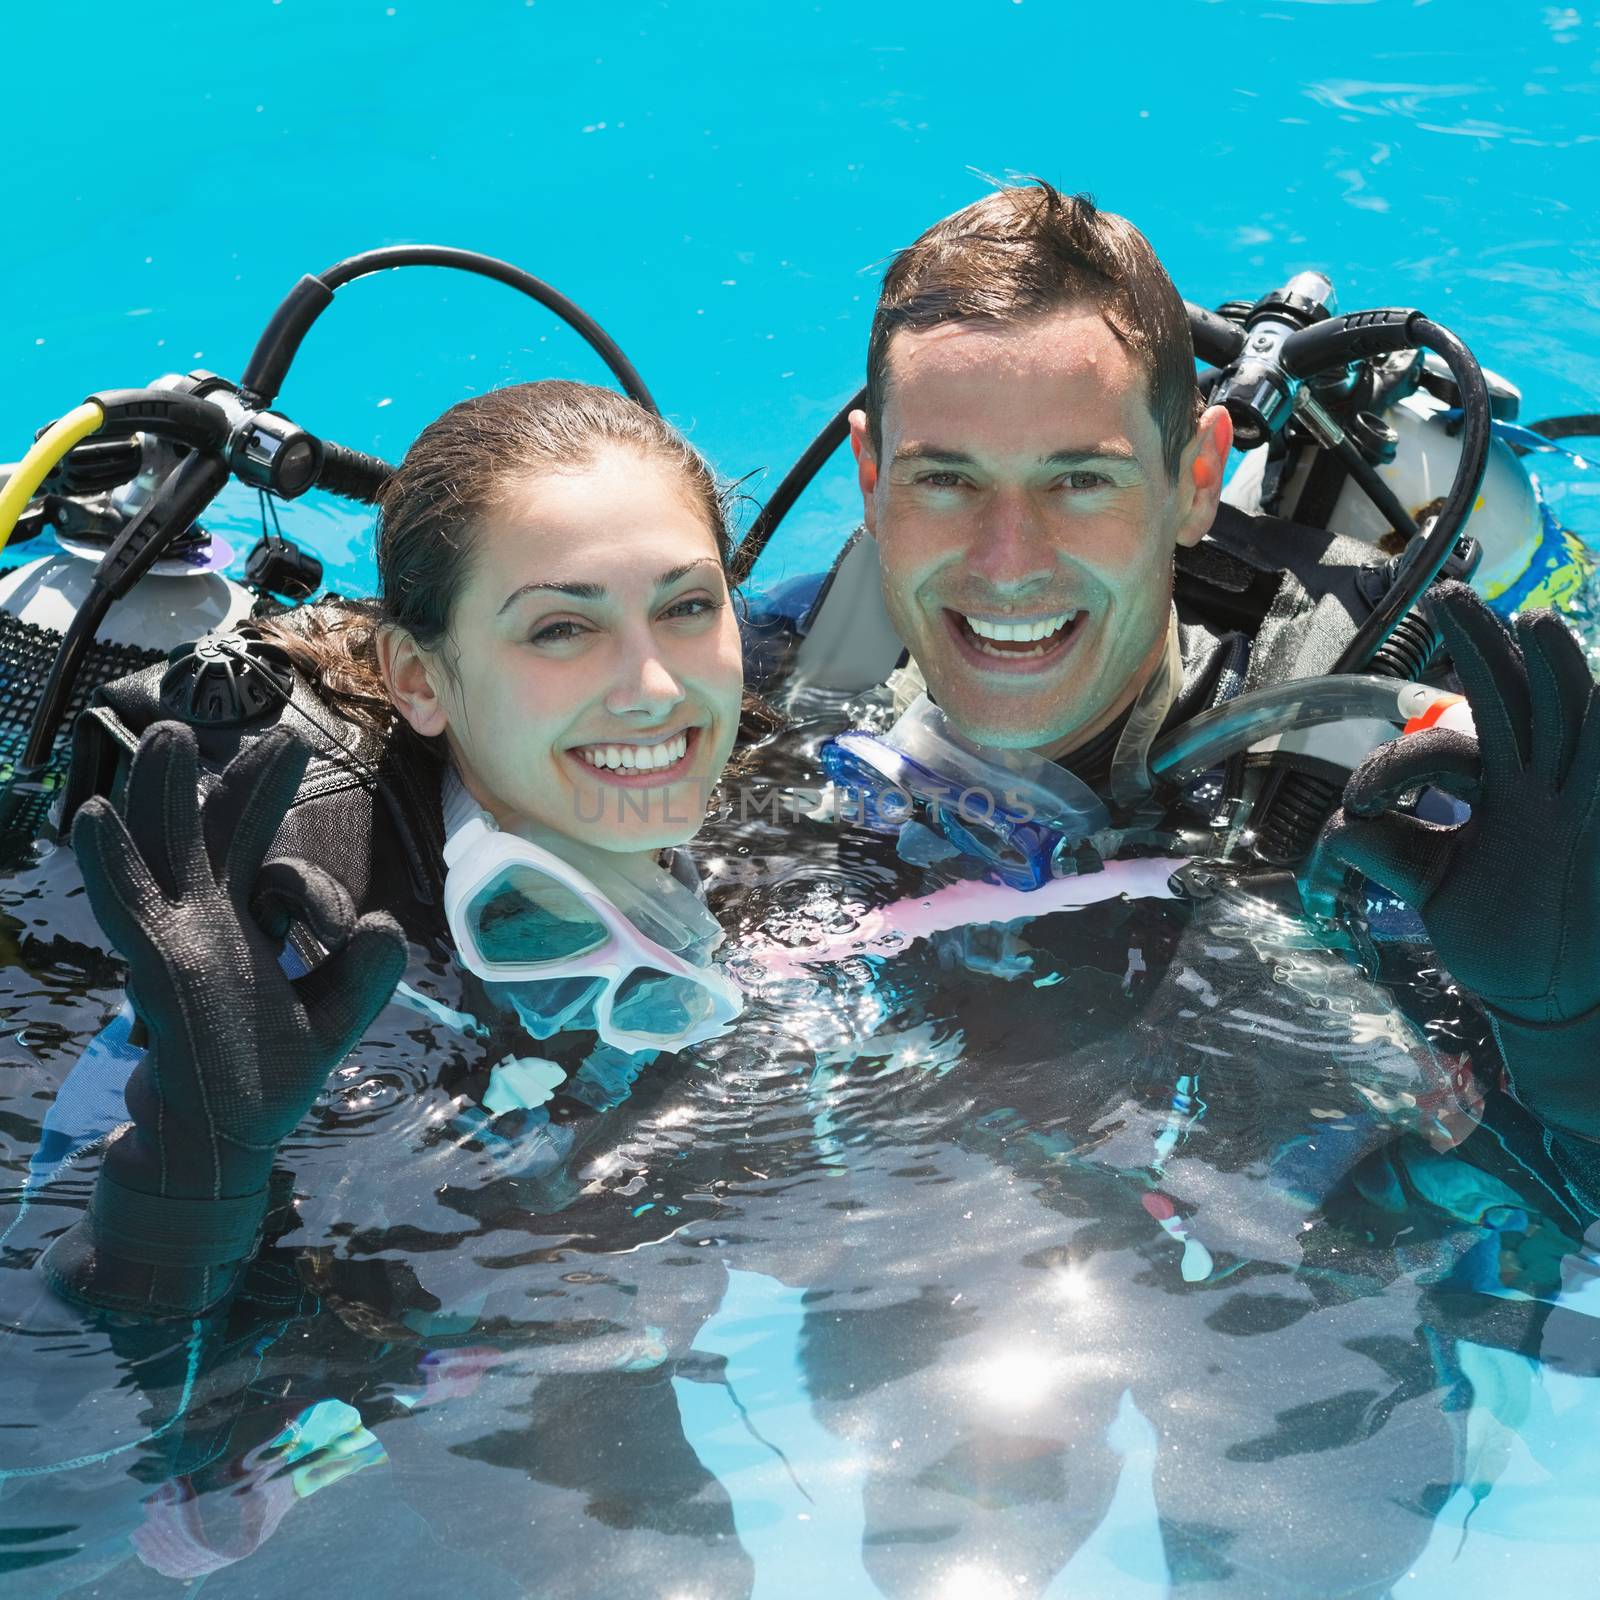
(1158, 1267)
(1016, 1377)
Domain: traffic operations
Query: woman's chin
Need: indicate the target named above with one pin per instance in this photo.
(640, 837)
(660, 817)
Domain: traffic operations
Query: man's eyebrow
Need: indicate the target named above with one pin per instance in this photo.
(597, 591)
(1103, 456)
(1068, 460)
(933, 453)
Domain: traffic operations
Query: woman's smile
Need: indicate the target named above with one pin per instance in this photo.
(641, 764)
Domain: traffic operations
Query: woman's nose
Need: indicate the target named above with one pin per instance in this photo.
(645, 688)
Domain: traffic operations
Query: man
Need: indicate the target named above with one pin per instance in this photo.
(1033, 457)
(1032, 454)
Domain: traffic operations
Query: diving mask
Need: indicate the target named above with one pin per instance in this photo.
(519, 912)
(1021, 815)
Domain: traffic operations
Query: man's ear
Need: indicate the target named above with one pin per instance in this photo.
(408, 678)
(1200, 474)
(866, 455)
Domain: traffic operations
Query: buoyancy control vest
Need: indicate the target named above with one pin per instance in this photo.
(368, 809)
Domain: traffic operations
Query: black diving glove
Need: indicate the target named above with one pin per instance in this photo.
(1510, 897)
(237, 1051)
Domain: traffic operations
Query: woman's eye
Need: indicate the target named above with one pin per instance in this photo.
(557, 633)
(695, 605)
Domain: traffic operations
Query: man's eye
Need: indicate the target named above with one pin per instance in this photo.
(941, 480)
(1086, 480)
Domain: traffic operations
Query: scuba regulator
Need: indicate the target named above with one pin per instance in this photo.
(1301, 380)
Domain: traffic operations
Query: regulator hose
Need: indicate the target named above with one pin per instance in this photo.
(291, 322)
(1200, 743)
(793, 486)
(1422, 563)
(352, 474)
(1217, 340)
(42, 459)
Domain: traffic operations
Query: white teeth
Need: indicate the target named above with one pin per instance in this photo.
(1019, 632)
(983, 647)
(636, 757)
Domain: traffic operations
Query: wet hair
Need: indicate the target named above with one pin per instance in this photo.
(1024, 252)
(464, 468)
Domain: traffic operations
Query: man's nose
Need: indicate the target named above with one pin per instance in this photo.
(644, 687)
(1013, 549)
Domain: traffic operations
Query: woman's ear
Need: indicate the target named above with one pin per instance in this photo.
(408, 676)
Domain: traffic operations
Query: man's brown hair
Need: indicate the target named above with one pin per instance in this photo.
(1023, 252)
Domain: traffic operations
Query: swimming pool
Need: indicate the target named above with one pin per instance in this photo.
(929, 1281)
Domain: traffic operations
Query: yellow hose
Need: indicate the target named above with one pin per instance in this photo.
(41, 460)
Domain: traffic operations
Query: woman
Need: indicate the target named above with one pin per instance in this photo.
(548, 685)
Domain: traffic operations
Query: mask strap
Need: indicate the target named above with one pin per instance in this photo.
(1130, 765)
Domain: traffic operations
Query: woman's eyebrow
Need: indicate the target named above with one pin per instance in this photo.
(578, 591)
(597, 591)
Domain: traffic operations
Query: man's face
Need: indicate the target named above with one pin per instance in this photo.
(1026, 522)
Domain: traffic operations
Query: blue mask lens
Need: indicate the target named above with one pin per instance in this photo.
(659, 1005)
(522, 915)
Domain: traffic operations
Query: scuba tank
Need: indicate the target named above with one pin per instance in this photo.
(1406, 422)
(183, 595)
(123, 479)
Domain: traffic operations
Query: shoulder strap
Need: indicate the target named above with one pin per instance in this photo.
(848, 641)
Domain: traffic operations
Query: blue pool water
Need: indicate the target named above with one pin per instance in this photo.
(718, 183)
(879, 1296)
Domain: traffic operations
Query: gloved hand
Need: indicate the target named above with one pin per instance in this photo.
(1511, 897)
(237, 1050)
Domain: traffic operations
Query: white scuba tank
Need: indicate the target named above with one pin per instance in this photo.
(1524, 550)
(164, 609)
(181, 597)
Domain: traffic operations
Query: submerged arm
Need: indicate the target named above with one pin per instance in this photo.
(237, 1049)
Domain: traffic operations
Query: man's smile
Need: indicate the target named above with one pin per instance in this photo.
(1014, 647)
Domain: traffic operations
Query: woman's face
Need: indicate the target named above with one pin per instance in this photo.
(596, 678)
